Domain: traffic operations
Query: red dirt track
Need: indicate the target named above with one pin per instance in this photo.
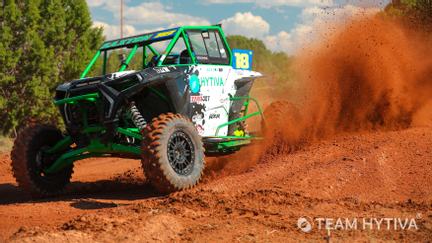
(375, 174)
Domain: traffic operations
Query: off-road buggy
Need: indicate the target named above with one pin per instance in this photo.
(178, 108)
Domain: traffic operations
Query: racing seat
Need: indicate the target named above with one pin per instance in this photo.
(185, 57)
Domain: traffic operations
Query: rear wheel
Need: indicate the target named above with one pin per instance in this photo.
(173, 153)
(29, 161)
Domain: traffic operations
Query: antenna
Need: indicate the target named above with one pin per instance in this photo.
(121, 19)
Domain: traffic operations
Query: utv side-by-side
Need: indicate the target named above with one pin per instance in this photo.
(180, 106)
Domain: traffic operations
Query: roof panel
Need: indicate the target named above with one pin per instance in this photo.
(140, 39)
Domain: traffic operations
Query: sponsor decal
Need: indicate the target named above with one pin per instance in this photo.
(198, 116)
(201, 58)
(199, 98)
(194, 83)
(138, 39)
(127, 41)
(214, 69)
(164, 34)
(214, 116)
(162, 70)
(212, 81)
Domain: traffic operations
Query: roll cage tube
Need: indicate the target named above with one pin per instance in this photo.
(145, 40)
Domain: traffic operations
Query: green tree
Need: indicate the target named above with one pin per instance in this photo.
(42, 43)
(416, 13)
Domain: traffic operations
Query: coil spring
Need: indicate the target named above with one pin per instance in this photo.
(136, 116)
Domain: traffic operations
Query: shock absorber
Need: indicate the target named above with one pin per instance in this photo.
(136, 116)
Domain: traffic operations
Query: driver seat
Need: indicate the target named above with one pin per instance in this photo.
(185, 57)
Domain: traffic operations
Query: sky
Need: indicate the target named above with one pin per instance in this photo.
(283, 25)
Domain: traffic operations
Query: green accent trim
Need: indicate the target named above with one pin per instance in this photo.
(128, 59)
(154, 51)
(144, 60)
(169, 47)
(133, 129)
(231, 144)
(90, 65)
(89, 97)
(129, 133)
(60, 146)
(237, 120)
(247, 137)
(95, 148)
(188, 46)
(104, 65)
(64, 160)
(245, 115)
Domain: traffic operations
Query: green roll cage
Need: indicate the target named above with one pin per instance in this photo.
(97, 148)
(145, 41)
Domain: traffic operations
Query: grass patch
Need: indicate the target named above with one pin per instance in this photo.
(5, 144)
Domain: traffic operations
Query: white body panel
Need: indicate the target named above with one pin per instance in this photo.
(217, 85)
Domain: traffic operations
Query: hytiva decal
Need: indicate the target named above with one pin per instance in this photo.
(211, 81)
(199, 98)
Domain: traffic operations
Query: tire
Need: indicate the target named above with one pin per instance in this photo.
(166, 169)
(282, 127)
(28, 161)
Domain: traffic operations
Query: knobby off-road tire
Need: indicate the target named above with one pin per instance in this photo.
(28, 160)
(282, 128)
(172, 153)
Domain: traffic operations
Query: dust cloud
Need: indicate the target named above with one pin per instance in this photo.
(369, 74)
(372, 74)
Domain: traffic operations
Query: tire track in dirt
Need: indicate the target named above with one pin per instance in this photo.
(329, 178)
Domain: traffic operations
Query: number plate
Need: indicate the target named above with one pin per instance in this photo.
(242, 59)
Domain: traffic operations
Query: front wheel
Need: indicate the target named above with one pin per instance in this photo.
(29, 161)
(172, 153)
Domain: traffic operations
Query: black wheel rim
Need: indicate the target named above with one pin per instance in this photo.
(181, 153)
